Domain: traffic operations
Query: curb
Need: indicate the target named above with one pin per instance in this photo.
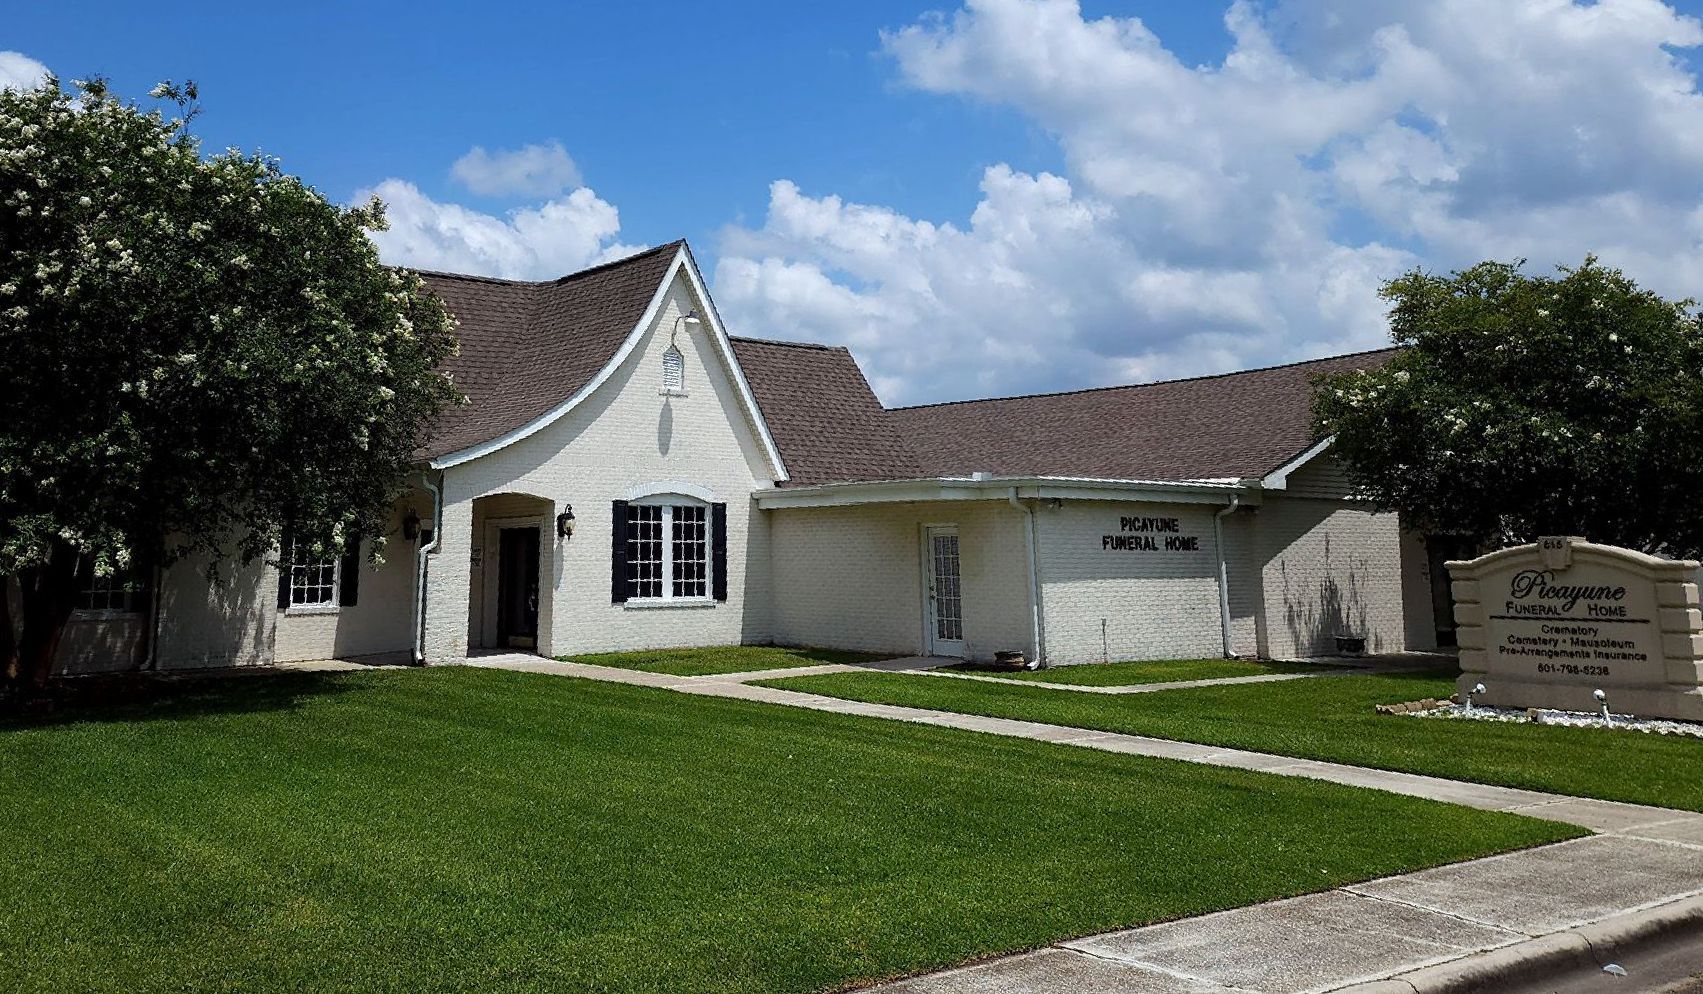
(1586, 947)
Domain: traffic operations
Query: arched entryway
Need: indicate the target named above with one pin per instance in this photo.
(509, 602)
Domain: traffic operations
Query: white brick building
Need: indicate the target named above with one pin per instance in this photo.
(629, 476)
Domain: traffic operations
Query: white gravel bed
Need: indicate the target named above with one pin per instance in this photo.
(1571, 719)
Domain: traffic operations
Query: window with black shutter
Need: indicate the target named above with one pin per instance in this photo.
(618, 553)
(349, 575)
(718, 550)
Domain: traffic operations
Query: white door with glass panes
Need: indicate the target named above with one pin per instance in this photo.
(943, 601)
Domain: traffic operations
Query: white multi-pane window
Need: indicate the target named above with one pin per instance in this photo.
(668, 552)
(118, 590)
(313, 579)
(691, 551)
(646, 560)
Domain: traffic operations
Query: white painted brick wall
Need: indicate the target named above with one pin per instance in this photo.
(1244, 566)
(228, 623)
(1330, 568)
(1324, 476)
(380, 620)
(101, 643)
(1416, 592)
(624, 435)
(851, 577)
(1155, 605)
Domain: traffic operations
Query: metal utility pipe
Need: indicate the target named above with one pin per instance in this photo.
(1224, 572)
(1034, 580)
(420, 570)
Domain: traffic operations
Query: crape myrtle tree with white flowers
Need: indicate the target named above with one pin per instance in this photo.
(1523, 406)
(198, 354)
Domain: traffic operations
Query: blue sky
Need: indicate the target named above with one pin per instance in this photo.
(1014, 195)
(679, 112)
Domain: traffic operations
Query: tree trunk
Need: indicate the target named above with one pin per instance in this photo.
(50, 594)
(9, 665)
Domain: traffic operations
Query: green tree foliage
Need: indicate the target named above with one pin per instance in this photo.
(1523, 406)
(196, 353)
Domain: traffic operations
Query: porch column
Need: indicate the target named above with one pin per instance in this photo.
(549, 578)
(449, 584)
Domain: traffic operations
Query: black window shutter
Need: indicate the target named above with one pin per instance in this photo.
(349, 575)
(141, 585)
(286, 554)
(618, 553)
(718, 551)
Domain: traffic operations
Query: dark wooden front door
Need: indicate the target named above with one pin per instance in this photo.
(517, 588)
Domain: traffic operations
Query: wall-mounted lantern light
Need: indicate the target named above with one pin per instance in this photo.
(565, 522)
(690, 319)
(411, 525)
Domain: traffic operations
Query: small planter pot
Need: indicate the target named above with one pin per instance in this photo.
(1009, 660)
(1350, 645)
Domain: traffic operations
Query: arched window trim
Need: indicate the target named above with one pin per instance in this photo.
(669, 498)
(663, 491)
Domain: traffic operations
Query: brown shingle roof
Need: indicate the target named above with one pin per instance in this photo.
(1233, 425)
(526, 347)
(825, 420)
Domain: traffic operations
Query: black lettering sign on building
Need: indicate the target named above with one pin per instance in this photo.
(1146, 534)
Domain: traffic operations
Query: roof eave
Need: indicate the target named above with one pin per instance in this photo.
(1278, 479)
(988, 486)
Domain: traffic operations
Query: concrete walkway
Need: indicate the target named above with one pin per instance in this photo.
(1143, 688)
(1646, 858)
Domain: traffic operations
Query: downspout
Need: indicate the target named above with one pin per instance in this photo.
(420, 570)
(1224, 572)
(156, 602)
(1034, 581)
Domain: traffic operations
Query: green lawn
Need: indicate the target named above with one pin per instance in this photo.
(477, 830)
(1331, 718)
(722, 659)
(1154, 671)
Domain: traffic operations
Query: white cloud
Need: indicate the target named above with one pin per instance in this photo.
(559, 237)
(19, 71)
(1244, 212)
(529, 171)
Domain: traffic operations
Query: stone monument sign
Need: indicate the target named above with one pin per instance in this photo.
(1547, 624)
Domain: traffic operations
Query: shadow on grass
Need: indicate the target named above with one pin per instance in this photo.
(145, 696)
(1421, 676)
(843, 656)
(717, 659)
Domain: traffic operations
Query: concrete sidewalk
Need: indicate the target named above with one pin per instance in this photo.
(1646, 858)
(1599, 816)
(1140, 688)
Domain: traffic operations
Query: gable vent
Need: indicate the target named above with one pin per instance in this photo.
(673, 370)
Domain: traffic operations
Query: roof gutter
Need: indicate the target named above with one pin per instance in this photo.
(988, 486)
